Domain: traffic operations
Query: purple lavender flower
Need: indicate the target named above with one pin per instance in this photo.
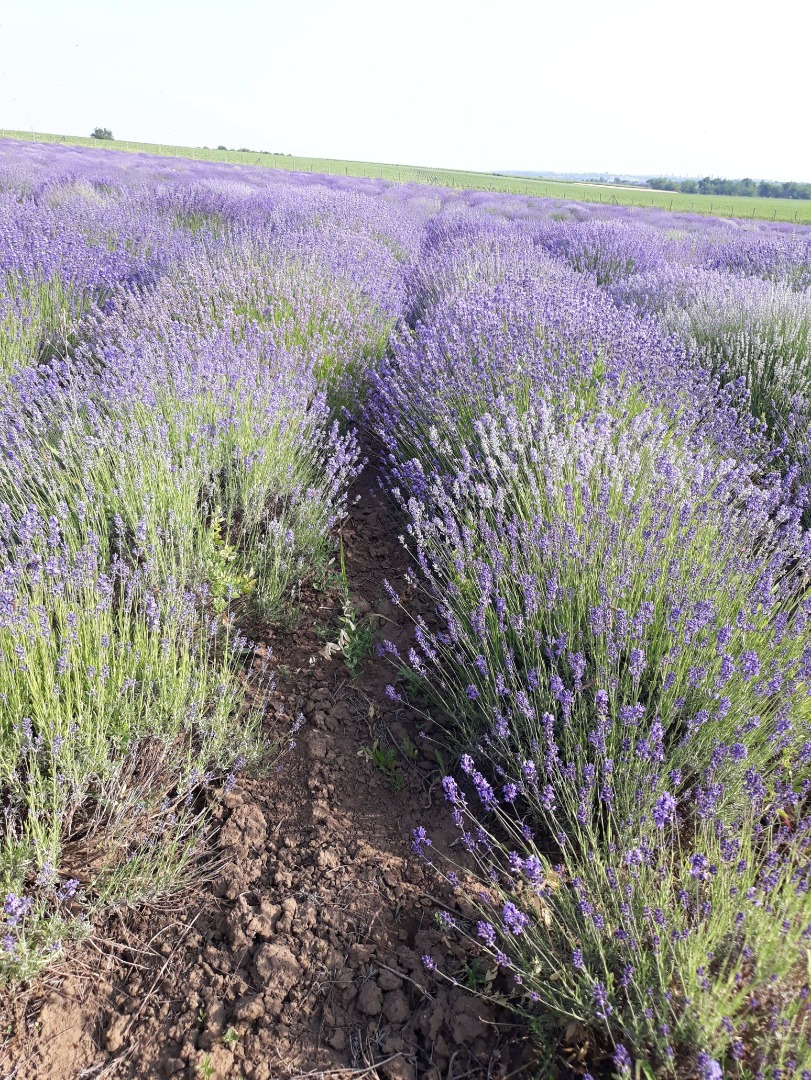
(664, 810)
(68, 889)
(486, 932)
(515, 921)
(16, 908)
(602, 1007)
(622, 1060)
(420, 840)
(708, 1067)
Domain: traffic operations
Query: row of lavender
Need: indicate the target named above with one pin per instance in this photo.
(607, 519)
(169, 465)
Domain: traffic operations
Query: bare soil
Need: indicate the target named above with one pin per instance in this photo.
(301, 955)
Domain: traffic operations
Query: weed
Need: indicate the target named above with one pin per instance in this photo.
(227, 579)
(409, 749)
(206, 1068)
(384, 759)
(478, 974)
(356, 634)
(357, 637)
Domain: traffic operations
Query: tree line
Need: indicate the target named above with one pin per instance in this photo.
(715, 185)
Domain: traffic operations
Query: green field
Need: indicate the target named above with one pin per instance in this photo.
(798, 211)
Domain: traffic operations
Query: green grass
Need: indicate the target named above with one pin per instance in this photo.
(798, 211)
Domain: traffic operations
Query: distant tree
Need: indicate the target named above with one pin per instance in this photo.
(663, 183)
(716, 185)
(221, 147)
(102, 133)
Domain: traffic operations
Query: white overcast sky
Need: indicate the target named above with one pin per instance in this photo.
(636, 86)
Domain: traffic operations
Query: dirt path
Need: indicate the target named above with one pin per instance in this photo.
(303, 954)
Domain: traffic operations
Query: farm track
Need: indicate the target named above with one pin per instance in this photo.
(303, 955)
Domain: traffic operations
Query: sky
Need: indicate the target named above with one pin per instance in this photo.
(687, 87)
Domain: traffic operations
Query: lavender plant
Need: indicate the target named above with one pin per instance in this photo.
(169, 460)
(621, 659)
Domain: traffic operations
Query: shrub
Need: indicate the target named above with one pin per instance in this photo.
(620, 659)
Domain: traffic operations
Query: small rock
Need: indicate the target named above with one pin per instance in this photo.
(263, 924)
(283, 879)
(115, 1036)
(289, 909)
(249, 1008)
(276, 967)
(387, 980)
(398, 1069)
(306, 917)
(431, 1023)
(467, 1028)
(317, 744)
(188, 1050)
(395, 1007)
(440, 1051)
(220, 1060)
(215, 1018)
(337, 1039)
(370, 999)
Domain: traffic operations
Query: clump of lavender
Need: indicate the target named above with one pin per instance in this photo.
(609, 250)
(622, 659)
(767, 254)
(173, 358)
(749, 332)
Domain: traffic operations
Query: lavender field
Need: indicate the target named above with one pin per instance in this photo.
(593, 428)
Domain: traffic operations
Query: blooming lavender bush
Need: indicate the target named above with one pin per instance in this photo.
(610, 250)
(772, 255)
(167, 463)
(621, 660)
(747, 331)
